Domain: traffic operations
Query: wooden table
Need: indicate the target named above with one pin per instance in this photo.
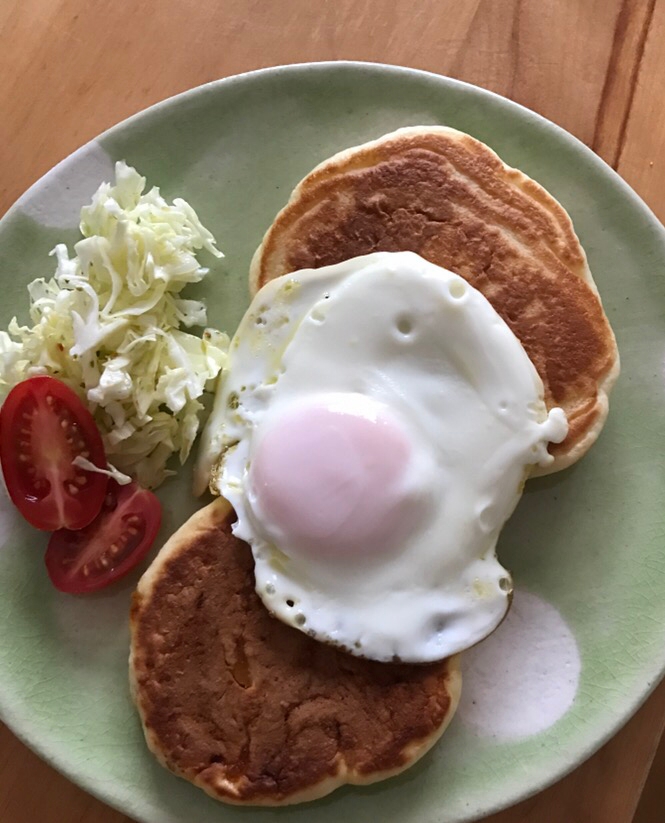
(71, 68)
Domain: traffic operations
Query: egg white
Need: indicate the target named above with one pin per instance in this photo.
(404, 333)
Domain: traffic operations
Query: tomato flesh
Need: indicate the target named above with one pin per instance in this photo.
(43, 428)
(108, 548)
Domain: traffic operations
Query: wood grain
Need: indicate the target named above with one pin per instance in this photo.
(652, 801)
(72, 68)
(630, 33)
(643, 150)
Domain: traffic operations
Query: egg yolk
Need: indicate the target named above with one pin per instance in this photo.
(333, 478)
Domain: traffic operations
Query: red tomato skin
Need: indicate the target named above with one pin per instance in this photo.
(43, 426)
(87, 560)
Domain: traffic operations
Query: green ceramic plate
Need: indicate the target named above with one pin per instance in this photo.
(585, 641)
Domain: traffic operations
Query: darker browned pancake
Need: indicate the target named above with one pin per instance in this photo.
(448, 197)
(254, 711)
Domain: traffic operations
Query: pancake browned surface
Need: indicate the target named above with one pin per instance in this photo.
(251, 710)
(451, 199)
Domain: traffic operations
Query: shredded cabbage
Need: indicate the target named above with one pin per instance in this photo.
(120, 478)
(110, 323)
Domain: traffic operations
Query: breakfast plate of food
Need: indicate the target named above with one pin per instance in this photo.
(329, 430)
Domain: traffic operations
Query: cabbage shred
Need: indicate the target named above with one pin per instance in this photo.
(110, 322)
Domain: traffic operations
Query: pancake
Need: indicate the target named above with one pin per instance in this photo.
(450, 198)
(251, 710)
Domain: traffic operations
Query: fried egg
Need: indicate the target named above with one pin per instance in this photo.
(374, 428)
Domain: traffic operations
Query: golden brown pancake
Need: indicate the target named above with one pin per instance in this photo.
(451, 199)
(251, 710)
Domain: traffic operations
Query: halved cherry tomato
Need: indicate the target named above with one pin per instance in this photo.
(43, 427)
(89, 559)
